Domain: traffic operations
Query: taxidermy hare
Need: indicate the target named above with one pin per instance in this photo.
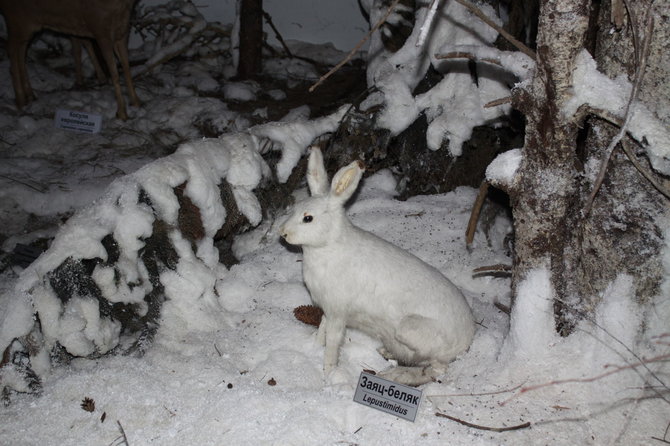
(364, 282)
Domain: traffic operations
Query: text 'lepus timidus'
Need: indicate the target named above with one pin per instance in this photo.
(362, 281)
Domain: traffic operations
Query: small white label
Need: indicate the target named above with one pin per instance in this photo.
(78, 121)
(390, 397)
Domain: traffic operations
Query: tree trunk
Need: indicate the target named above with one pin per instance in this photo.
(251, 38)
(622, 230)
(544, 202)
(584, 252)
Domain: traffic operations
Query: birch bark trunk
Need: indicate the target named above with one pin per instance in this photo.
(622, 233)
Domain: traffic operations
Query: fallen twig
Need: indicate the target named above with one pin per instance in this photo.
(121, 439)
(38, 188)
(496, 392)
(497, 102)
(485, 428)
(502, 307)
(474, 214)
(500, 268)
(356, 48)
(616, 369)
(665, 435)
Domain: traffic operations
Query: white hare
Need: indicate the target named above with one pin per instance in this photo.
(364, 282)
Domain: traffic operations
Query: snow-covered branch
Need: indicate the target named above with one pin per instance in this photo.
(515, 62)
(456, 105)
(176, 26)
(597, 91)
(293, 137)
(145, 251)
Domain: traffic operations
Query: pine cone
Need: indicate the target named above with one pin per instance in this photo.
(308, 314)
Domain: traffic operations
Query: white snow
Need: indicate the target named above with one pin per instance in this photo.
(294, 136)
(593, 88)
(502, 169)
(456, 104)
(532, 332)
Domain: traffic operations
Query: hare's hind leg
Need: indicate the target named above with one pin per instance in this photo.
(414, 376)
(428, 340)
(421, 345)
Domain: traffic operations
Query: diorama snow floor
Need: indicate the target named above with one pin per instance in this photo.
(255, 377)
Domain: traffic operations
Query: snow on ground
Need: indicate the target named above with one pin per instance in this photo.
(254, 377)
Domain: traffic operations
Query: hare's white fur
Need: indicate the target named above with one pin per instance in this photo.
(362, 281)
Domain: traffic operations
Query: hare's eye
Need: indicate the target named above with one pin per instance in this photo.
(307, 219)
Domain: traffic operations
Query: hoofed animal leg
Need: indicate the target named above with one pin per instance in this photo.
(107, 49)
(121, 50)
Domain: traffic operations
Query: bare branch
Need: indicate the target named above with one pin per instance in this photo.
(644, 172)
(268, 19)
(665, 435)
(625, 145)
(432, 9)
(515, 62)
(497, 392)
(642, 64)
(485, 428)
(510, 38)
(357, 47)
(464, 55)
(614, 369)
(497, 102)
(474, 214)
(499, 268)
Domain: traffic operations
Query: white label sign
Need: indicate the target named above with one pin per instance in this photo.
(390, 397)
(78, 121)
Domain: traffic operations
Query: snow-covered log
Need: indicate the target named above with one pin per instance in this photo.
(145, 250)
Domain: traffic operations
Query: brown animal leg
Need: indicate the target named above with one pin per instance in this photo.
(121, 50)
(99, 72)
(107, 48)
(16, 50)
(76, 55)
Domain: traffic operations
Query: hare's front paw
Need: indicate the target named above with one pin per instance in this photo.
(328, 366)
(321, 333)
(339, 381)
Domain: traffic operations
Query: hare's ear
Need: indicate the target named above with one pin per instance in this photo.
(317, 178)
(346, 181)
